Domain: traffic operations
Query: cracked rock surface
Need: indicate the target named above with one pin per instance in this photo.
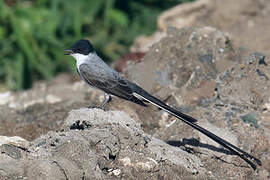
(94, 144)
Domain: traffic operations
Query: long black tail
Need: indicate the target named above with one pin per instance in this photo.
(138, 92)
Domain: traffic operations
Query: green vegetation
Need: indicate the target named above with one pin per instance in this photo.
(33, 34)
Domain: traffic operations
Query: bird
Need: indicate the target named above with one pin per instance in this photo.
(96, 73)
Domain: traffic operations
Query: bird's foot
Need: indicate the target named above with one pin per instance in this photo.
(96, 107)
(107, 98)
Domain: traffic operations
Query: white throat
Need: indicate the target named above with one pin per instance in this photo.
(80, 59)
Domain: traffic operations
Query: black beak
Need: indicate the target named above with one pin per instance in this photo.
(68, 51)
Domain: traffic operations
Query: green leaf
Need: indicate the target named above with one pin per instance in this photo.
(33, 34)
(117, 17)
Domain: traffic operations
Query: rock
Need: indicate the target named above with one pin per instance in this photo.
(180, 16)
(34, 112)
(15, 140)
(112, 144)
(251, 119)
(256, 57)
(199, 71)
(186, 61)
(244, 20)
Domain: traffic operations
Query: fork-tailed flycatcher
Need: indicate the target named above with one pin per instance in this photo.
(96, 73)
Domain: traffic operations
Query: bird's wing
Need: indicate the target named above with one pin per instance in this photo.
(110, 83)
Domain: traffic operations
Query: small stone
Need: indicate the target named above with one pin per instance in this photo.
(145, 166)
(257, 56)
(260, 73)
(266, 106)
(206, 57)
(250, 118)
(11, 151)
(15, 140)
(125, 161)
(116, 172)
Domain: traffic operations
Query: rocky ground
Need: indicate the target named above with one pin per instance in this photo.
(198, 70)
(245, 21)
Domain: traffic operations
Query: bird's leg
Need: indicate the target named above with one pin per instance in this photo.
(107, 98)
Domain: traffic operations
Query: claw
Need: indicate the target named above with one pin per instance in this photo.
(96, 107)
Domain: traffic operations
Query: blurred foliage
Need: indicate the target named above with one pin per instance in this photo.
(34, 33)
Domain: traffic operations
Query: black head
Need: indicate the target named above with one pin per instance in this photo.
(82, 46)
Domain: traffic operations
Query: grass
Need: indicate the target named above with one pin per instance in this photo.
(34, 33)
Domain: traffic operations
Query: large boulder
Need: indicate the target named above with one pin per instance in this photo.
(94, 144)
